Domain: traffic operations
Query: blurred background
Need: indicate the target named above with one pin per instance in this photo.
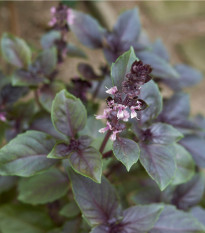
(180, 24)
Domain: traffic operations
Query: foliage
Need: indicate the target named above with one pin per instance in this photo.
(145, 174)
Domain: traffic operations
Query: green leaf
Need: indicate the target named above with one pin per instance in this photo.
(164, 133)
(151, 95)
(70, 210)
(185, 165)
(7, 182)
(23, 219)
(47, 94)
(59, 151)
(15, 51)
(127, 151)
(88, 163)
(172, 220)
(98, 202)
(68, 113)
(26, 154)
(43, 188)
(159, 162)
(122, 66)
(48, 39)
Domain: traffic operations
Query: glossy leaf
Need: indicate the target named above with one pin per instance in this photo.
(151, 95)
(86, 29)
(196, 146)
(161, 68)
(15, 51)
(190, 193)
(98, 202)
(164, 133)
(68, 113)
(43, 188)
(127, 151)
(172, 220)
(122, 66)
(185, 165)
(88, 163)
(26, 154)
(159, 162)
(23, 219)
(138, 219)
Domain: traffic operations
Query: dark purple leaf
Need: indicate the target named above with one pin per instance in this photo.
(127, 151)
(160, 50)
(160, 67)
(87, 71)
(61, 150)
(172, 220)
(159, 162)
(189, 194)
(140, 219)
(188, 76)
(86, 29)
(127, 29)
(98, 202)
(196, 146)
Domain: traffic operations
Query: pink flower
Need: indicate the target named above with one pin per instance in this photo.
(112, 90)
(52, 22)
(70, 17)
(113, 136)
(121, 111)
(108, 127)
(105, 114)
(53, 10)
(2, 117)
(133, 112)
(126, 115)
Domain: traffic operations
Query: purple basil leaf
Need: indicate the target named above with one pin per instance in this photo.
(17, 92)
(87, 163)
(189, 194)
(59, 151)
(15, 51)
(188, 76)
(26, 154)
(47, 60)
(87, 71)
(74, 51)
(43, 188)
(42, 122)
(185, 165)
(199, 214)
(68, 114)
(127, 151)
(164, 134)
(48, 39)
(196, 146)
(161, 68)
(26, 78)
(172, 220)
(151, 95)
(159, 162)
(100, 229)
(160, 50)
(47, 94)
(98, 202)
(140, 219)
(122, 66)
(86, 29)
(127, 29)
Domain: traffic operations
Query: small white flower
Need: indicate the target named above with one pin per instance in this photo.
(112, 90)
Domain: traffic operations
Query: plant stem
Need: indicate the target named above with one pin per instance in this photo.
(105, 140)
(37, 98)
(107, 154)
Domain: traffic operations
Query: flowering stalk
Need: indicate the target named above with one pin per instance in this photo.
(124, 104)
